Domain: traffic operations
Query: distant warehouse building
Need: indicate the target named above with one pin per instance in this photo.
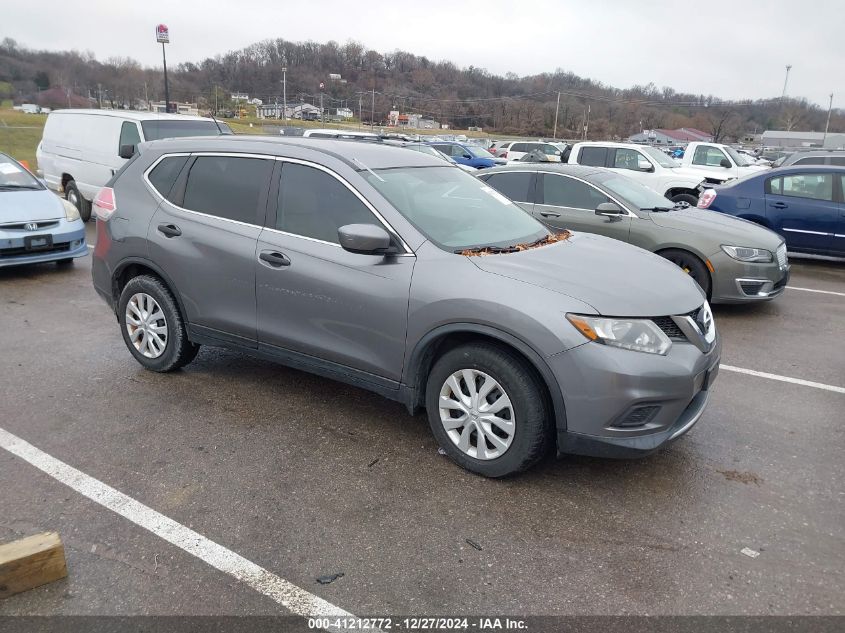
(782, 138)
(680, 136)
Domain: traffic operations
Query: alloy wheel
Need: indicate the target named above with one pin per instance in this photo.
(146, 325)
(477, 414)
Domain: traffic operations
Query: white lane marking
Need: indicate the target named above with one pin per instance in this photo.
(297, 600)
(795, 381)
(824, 292)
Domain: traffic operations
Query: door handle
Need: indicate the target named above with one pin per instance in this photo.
(779, 205)
(549, 214)
(169, 230)
(274, 258)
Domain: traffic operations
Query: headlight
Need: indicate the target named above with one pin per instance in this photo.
(746, 254)
(641, 335)
(71, 212)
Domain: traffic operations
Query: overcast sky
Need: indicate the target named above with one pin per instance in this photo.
(732, 49)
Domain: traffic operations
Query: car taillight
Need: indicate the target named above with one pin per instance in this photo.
(706, 198)
(104, 204)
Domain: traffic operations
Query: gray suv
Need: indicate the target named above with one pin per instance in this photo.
(392, 271)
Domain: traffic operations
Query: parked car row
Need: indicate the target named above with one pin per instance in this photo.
(502, 297)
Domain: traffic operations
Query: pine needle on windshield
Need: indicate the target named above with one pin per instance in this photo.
(496, 250)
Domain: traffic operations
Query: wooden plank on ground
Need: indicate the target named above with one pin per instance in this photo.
(31, 562)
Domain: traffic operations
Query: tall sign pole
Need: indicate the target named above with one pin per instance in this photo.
(285, 89)
(163, 37)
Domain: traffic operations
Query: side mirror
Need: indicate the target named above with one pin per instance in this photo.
(467, 156)
(126, 151)
(364, 239)
(725, 163)
(609, 210)
(644, 165)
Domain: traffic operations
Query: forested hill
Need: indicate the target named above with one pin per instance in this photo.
(403, 81)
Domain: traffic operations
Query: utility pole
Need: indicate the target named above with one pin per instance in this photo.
(373, 106)
(586, 122)
(360, 106)
(215, 100)
(557, 109)
(285, 87)
(827, 125)
(783, 94)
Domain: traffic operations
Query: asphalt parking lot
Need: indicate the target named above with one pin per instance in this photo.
(306, 478)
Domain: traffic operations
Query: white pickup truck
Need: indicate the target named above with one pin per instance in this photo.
(645, 164)
(718, 163)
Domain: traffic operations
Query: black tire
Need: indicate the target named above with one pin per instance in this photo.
(178, 350)
(65, 262)
(75, 198)
(533, 429)
(691, 265)
(690, 199)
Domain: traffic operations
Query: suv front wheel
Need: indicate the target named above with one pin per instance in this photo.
(152, 327)
(487, 410)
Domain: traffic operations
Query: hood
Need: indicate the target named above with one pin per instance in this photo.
(724, 229)
(751, 169)
(687, 173)
(615, 278)
(29, 206)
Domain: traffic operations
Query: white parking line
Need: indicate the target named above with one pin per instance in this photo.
(824, 292)
(91, 246)
(295, 599)
(794, 381)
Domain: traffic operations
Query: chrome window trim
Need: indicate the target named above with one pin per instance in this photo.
(385, 224)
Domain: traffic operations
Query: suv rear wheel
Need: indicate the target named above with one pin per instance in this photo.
(487, 410)
(152, 327)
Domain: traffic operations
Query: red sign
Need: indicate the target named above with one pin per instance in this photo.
(162, 34)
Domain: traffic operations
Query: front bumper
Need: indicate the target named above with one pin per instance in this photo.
(625, 404)
(741, 282)
(67, 241)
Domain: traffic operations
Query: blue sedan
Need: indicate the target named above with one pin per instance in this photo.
(467, 154)
(35, 224)
(803, 204)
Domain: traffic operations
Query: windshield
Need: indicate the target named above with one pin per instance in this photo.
(659, 157)
(453, 209)
(14, 176)
(158, 129)
(634, 192)
(740, 159)
(478, 152)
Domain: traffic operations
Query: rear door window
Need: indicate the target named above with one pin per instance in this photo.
(813, 186)
(227, 187)
(593, 156)
(810, 160)
(515, 185)
(626, 158)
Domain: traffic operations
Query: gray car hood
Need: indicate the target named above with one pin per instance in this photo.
(724, 229)
(615, 278)
(29, 206)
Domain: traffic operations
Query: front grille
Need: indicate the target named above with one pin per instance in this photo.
(21, 226)
(781, 255)
(15, 252)
(669, 327)
(639, 416)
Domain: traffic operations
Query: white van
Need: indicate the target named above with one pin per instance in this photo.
(82, 149)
